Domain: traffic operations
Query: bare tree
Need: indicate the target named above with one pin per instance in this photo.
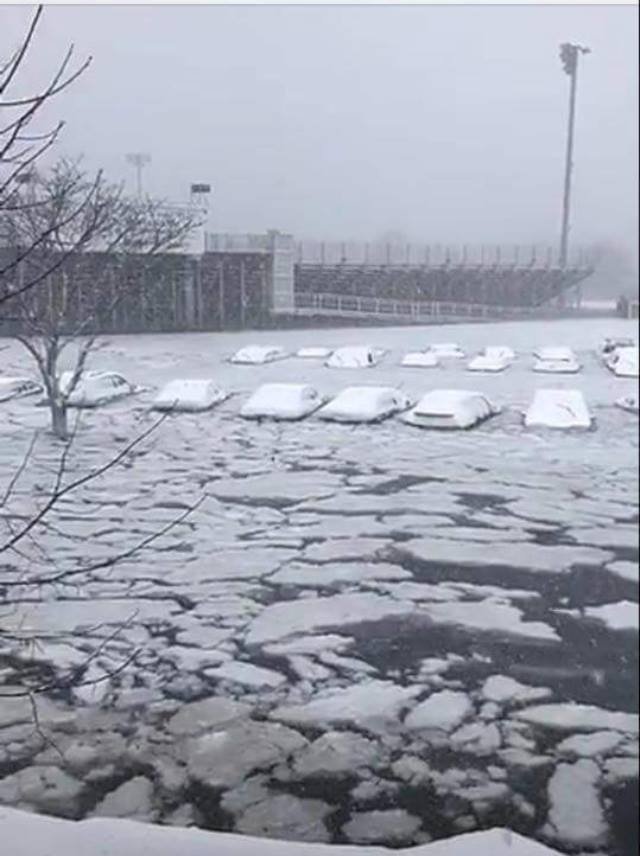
(22, 144)
(28, 571)
(94, 244)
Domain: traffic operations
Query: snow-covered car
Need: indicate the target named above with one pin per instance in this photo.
(610, 344)
(556, 360)
(420, 360)
(623, 362)
(95, 388)
(313, 353)
(628, 402)
(491, 360)
(190, 394)
(447, 350)
(450, 408)
(365, 404)
(256, 355)
(288, 401)
(354, 357)
(557, 408)
(18, 387)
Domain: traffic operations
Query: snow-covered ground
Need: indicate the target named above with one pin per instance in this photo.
(364, 634)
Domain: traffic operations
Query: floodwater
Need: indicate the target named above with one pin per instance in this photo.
(333, 557)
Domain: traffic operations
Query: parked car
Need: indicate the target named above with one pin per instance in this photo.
(189, 395)
(556, 360)
(95, 388)
(420, 360)
(450, 409)
(628, 402)
(254, 355)
(623, 362)
(313, 353)
(18, 387)
(447, 350)
(557, 408)
(365, 404)
(286, 401)
(491, 360)
(355, 357)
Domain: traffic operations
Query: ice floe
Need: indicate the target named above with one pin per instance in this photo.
(442, 711)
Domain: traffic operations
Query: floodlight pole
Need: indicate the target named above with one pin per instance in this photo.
(569, 57)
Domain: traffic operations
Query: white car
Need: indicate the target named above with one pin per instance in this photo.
(447, 350)
(610, 344)
(623, 362)
(355, 357)
(95, 388)
(286, 401)
(450, 408)
(420, 360)
(18, 387)
(628, 402)
(189, 395)
(491, 360)
(255, 355)
(365, 404)
(558, 408)
(556, 360)
(313, 353)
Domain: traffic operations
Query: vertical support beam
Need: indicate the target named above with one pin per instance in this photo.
(243, 296)
(221, 312)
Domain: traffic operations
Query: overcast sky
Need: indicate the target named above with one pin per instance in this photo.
(445, 123)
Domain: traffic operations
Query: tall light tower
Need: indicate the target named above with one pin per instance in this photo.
(569, 58)
(139, 160)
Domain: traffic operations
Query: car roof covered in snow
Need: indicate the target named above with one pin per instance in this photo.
(443, 402)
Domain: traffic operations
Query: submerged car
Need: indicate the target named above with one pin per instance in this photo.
(495, 359)
(558, 408)
(18, 387)
(95, 388)
(420, 360)
(556, 360)
(450, 409)
(313, 353)
(189, 395)
(286, 401)
(628, 402)
(447, 350)
(623, 362)
(255, 355)
(365, 404)
(355, 357)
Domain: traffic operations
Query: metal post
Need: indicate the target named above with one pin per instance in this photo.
(569, 56)
(221, 294)
(243, 296)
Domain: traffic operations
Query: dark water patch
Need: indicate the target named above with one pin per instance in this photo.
(206, 800)
(398, 484)
(481, 501)
(622, 816)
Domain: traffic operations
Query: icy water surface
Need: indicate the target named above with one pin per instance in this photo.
(370, 633)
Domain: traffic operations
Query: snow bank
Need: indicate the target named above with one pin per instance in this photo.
(365, 404)
(354, 357)
(450, 408)
(37, 835)
(258, 354)
(282, 401)
(558, 408)
(189, 394)
(420, 360)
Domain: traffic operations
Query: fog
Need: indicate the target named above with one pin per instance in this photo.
(445, 124)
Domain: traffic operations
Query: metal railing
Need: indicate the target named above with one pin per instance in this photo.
(349, 305)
